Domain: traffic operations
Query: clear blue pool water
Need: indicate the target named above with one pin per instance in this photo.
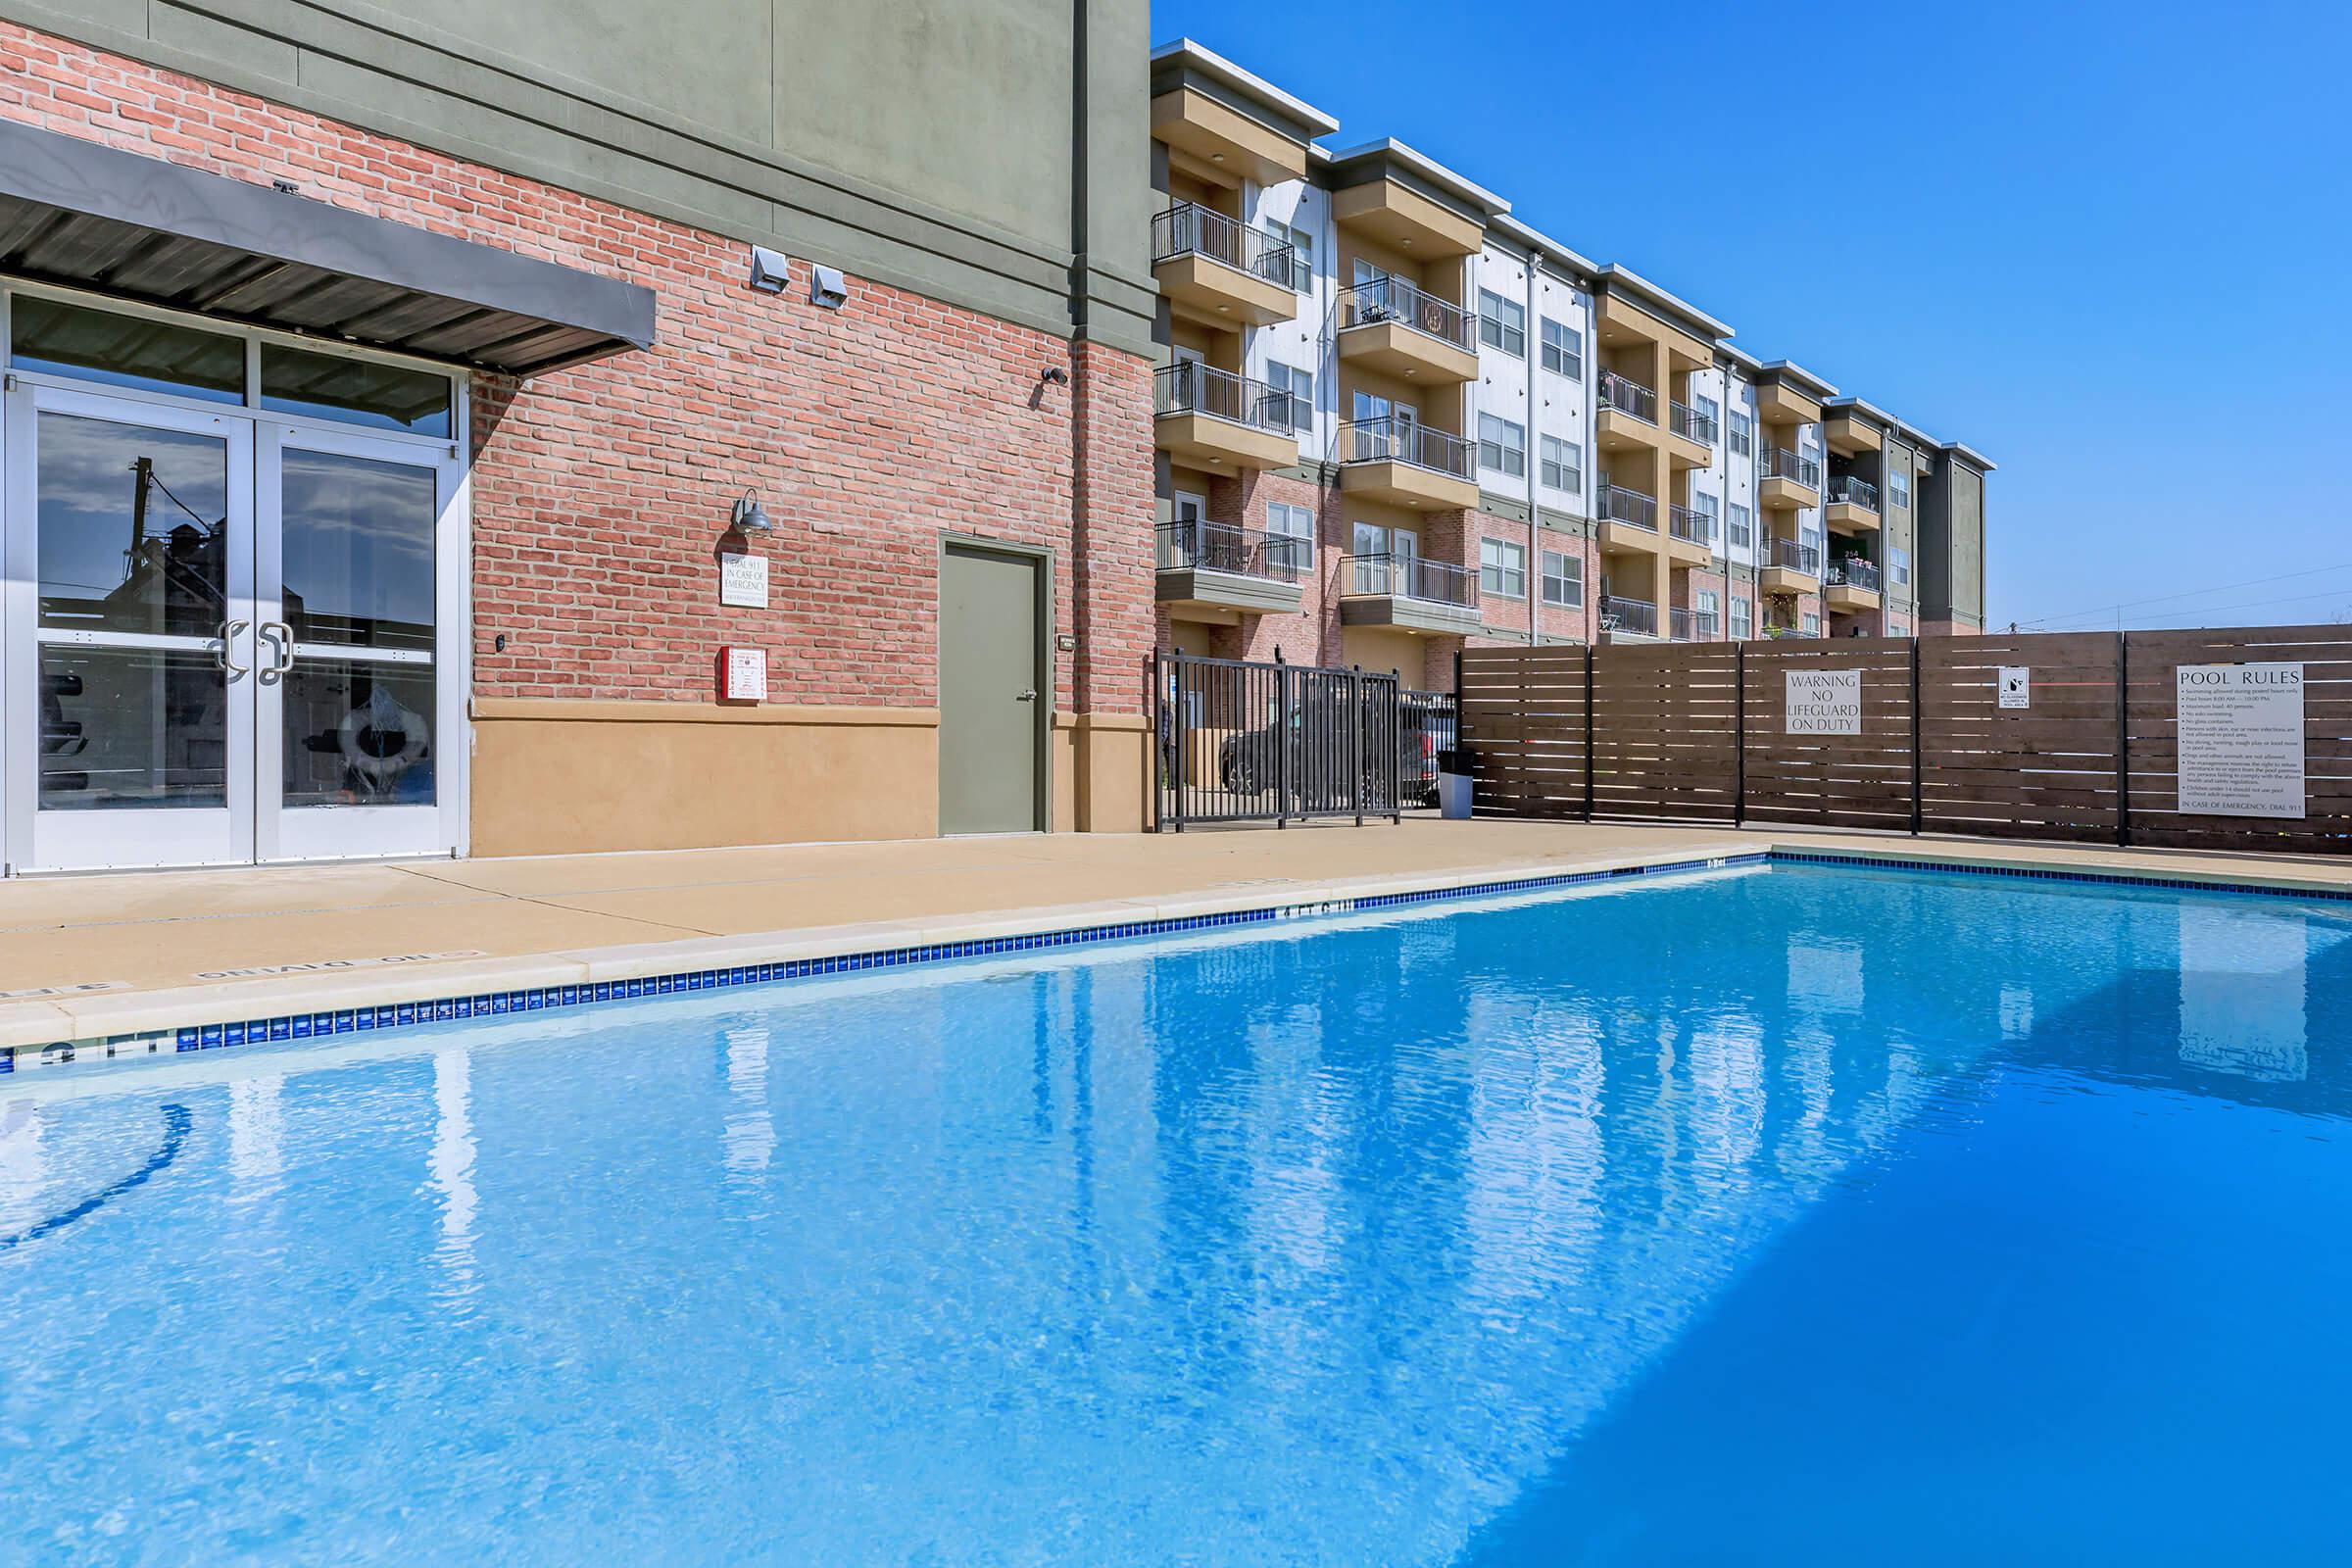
(1798, 1215)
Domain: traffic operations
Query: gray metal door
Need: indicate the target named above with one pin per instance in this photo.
(992, 707)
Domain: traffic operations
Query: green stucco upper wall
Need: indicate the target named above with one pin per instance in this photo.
(957, 147)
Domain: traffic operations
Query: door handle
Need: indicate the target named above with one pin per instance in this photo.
(1029, 696)
(278, 632)
(229, 666)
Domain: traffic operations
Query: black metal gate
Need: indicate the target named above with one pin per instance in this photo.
(1427, 722)
(1245, 742)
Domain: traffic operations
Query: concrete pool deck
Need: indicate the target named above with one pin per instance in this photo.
(85, 958)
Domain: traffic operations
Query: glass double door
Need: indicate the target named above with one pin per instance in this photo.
(222, 637)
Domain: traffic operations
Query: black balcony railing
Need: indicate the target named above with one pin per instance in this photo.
(1629, 615)
(1436, 582)
(1692, 424)
(1393, 299)
(1795, 556)
(1855, 573)
(1692, 625)
(1628, 396)
(1397, 440)
(1190, 387)
(1196, 546)
(1855, 491)
(1620, 505)
(1691, 525)
(1189, 228)
(1779, 463)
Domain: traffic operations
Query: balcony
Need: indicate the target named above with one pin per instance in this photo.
(1208, 565)
(1689, 536)
(1779, 402)
(1215, 419)
(1629, 522)
(1691, 436)
(1215, 270)
(1628, 618)
(1398, 329)
(1692, 625)
(1408, 464)
(1848, 432)
(1219, 143)
(1785, 482)
(1853, 504)
(1790, 569)
(1852, 585)
(1628, 416)
(1408, 593)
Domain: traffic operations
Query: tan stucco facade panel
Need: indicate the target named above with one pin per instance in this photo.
(579, 779)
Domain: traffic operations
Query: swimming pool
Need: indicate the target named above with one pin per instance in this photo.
(1798, 1213)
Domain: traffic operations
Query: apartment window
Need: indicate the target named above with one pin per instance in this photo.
(1563, 579)
(1299, 387)
(1705, 505)
(1502, 569)
(1707, 606)
(1812, 624)
(1502, 323)
(1743, 437)
(1302, 254)
(1501, 445)
(1898, 485)
(1563, 465)
(1290, 530)
(1743, 626)
(1899, 565)
(1742, 530)
(1563, 350)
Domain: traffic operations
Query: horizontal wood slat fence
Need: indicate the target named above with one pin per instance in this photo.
(1698, 732)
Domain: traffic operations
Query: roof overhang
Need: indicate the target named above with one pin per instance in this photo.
(1800, 378)
(1658, 302)
(91, 217)
(1970, 456)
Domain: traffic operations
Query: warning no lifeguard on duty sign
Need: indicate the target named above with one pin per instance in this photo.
(1824, 701)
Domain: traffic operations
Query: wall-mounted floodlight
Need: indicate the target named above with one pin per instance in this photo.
(750, 515)
(771, 269)
(1053, 375)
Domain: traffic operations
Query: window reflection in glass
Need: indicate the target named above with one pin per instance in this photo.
(354, 391)
(359, 733)
(131, 727)
(132, 529)
(126, 351)
(359, 550)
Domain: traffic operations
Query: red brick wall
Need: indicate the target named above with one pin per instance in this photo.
(601, 494)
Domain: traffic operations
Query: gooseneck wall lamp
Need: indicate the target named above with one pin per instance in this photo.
(750, 515)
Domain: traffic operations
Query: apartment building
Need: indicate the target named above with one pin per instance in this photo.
(467, 429)
(1393, 419)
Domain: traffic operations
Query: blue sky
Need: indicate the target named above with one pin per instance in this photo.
(2108, 246)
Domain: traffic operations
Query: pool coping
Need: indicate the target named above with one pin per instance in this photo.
(325, 1000)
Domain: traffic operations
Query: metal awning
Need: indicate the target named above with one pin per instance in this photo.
(77, 212)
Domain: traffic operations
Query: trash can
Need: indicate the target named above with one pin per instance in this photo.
(1454, 785)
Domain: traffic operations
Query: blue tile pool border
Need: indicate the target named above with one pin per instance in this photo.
(329, 1023)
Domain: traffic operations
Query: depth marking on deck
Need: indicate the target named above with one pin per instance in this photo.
(332, 965)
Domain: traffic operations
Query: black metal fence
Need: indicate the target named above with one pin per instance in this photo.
(1248, 742)
(1427, 725)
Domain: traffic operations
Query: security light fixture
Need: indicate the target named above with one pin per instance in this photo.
(1055, 375)
(771, 269)
(750, 516)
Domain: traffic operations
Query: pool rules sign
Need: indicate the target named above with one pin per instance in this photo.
(2240, 739)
